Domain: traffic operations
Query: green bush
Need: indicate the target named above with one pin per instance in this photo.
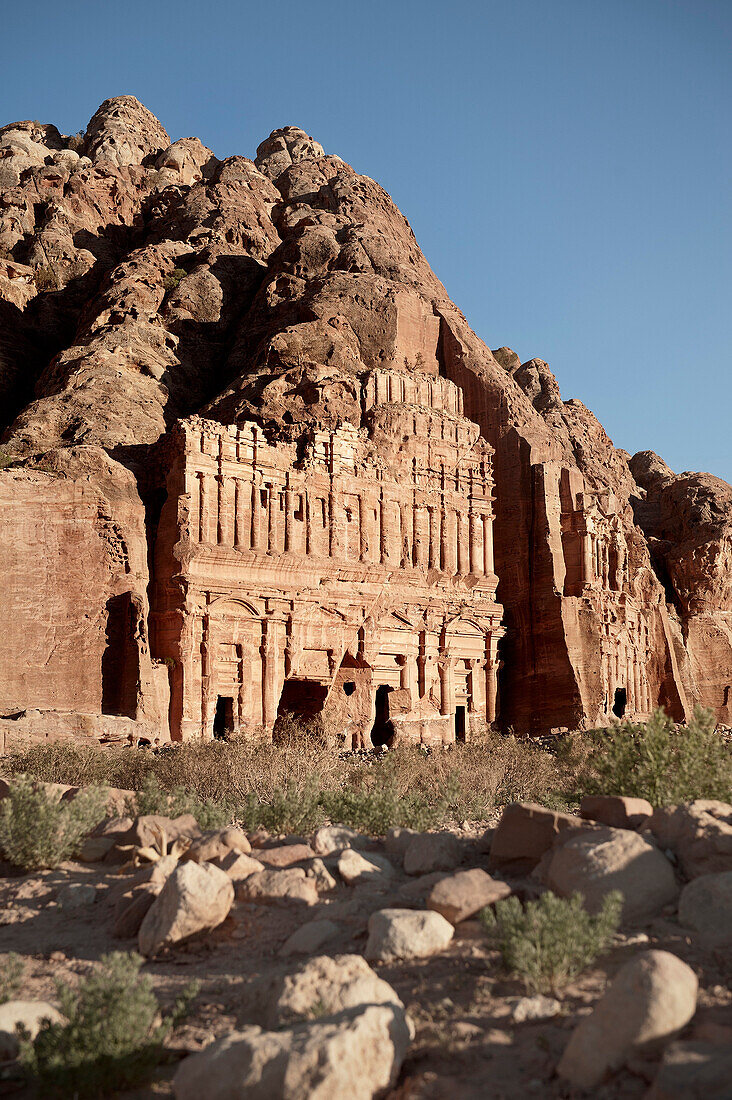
(12, 972)
(550, 941)
(176, 277)
(113, 1035)
(152, 798)
(36, 830)
(661, 762)
(290, 808)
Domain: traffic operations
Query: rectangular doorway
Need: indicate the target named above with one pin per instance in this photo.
(460, 725)
(223, 725)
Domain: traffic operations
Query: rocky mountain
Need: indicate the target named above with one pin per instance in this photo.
(165, 316)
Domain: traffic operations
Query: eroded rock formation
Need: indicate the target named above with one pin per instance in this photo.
(256, 462)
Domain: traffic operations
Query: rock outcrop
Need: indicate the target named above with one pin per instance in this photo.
(256, 462)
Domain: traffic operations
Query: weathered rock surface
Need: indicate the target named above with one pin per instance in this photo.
(459, 897)
(616, 811)
(650, 999)
(406, 934)
(30, 1015)
(595, 863)
(309, 937)
(693, 1071)
(288, 884)
(525, 832)
(332, 984)
(144, 283)
(706, 906)
(428, 852)
(357, 1053)
(196, 897)
(698, 833)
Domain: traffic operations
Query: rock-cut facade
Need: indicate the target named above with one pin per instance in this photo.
(256, 464)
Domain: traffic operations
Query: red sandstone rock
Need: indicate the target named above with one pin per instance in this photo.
(525, 832)
(365, 469)
(617, 811)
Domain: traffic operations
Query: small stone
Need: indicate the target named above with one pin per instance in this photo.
(356, 1054)
(648, 1002)
(596, 862)
(354, 868)
(617, 811)
(706, 906)
(309, 937)
(76, 895)
(406, 934)
(285, 855)
(326, 984)
(213, 847)
(289, 884)
(28, 1013)
(196, 898)
(427, 852)
(239, 866)
(334, 838)
(460, 896)
(321, 876)
(535, 1008)
(525, 832)
(95, 848)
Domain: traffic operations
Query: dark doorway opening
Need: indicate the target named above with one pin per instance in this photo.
(120, 660)
(382, 732)
(460, 721)
(223, 725)
(305, 698)
(621, 702)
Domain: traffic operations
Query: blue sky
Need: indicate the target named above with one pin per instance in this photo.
(565, 164)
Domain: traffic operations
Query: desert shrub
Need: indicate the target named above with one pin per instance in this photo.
(113, 1034)
(82, 765)
(36, 830)
(12, 972)
(290, 808)
(552, 940)
(152, 798)
(659, 761)
(378, 808)
(176, 277)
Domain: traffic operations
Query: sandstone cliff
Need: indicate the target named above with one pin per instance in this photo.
(149, 292)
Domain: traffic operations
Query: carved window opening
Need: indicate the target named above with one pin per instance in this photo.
(382, 731)
(620, 703)
(460, 725)
(223, 725)
(349, 687)
(300, 508)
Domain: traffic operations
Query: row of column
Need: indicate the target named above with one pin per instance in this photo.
(271, 519)
(624, 670)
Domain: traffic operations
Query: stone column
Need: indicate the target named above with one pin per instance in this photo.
(223, 525)
(477, 552)
(448, 548)
(270, 662)
(587, 570)
(289, 517)
(273, 520)
(205, 509)
(255, 518)
(447, 689)
(491, 679)
(435, 516)
(488, 563)
(207, 684)
(463, 541)
(421, 537)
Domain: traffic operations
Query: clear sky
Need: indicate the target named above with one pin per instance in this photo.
(565, 164)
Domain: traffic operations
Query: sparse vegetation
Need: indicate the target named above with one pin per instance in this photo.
(46, 278)
(12, 972)
(113, 1032)
(552, 940)
(302, 781)
(36, 830)
(176, 277)
(656, 760)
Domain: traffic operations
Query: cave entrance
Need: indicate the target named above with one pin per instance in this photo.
(120, 660)
(460, 725)
(621, 702)
(382, 731)
(223, 725)
(300, 708)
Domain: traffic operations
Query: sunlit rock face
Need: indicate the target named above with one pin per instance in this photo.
(255, 462)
